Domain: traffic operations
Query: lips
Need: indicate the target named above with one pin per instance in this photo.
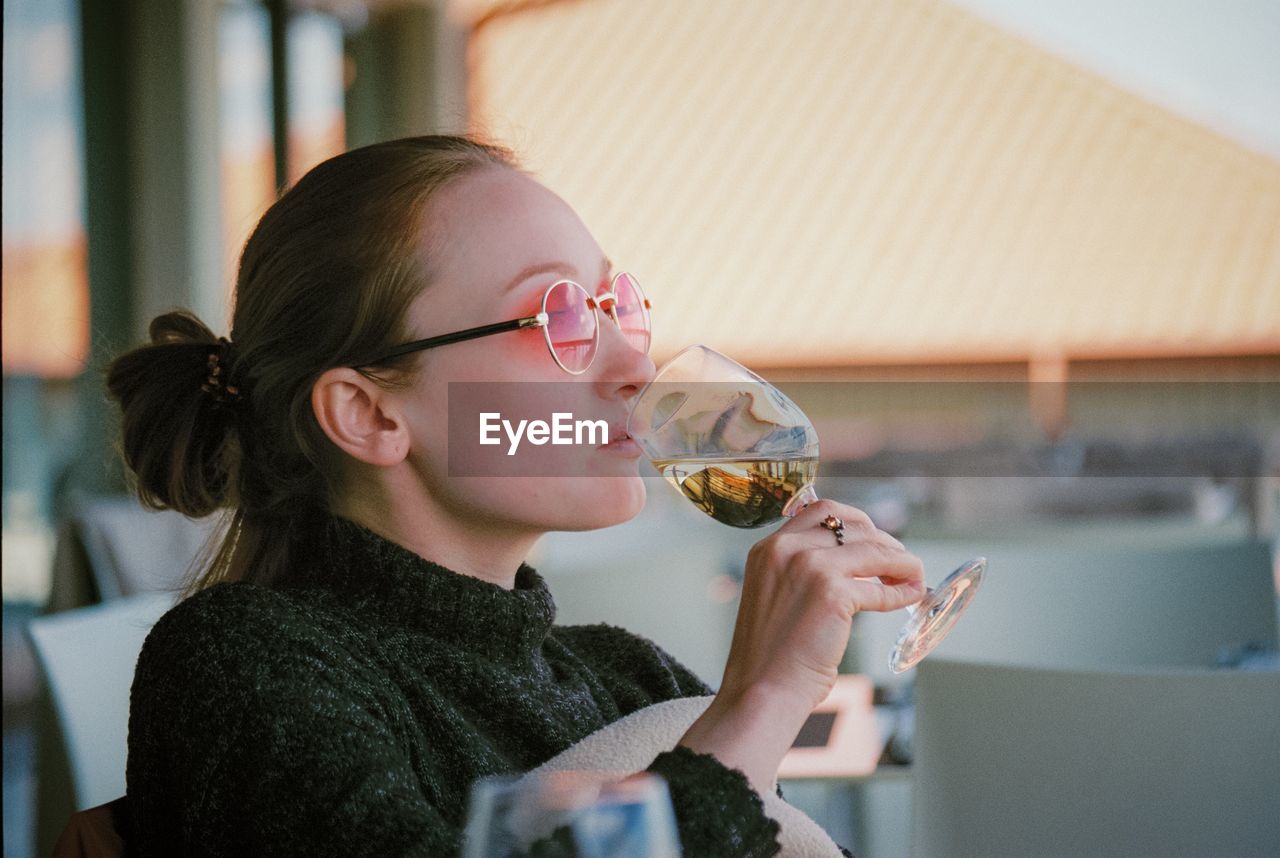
(617, 433)
(620, 441)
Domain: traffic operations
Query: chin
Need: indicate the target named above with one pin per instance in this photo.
(555, 503)
(596, 502)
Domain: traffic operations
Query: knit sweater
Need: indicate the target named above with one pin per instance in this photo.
(347, 710)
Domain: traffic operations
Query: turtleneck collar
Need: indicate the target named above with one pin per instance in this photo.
(397, 587)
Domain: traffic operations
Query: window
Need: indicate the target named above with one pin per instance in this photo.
(46, 294)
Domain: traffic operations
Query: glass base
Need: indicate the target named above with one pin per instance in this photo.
(935, 614)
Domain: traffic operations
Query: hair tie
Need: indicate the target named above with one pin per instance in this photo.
(216, 384)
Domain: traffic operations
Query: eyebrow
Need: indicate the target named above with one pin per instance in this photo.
(554, 267)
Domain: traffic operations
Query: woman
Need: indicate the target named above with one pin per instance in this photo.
(368, 640)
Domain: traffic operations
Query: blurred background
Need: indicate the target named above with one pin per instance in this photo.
(1019, 260)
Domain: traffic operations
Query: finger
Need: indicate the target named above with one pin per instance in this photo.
(867, 594)
(811, 516)
(872, 559)
(857, 525)
(869, 533)
(888, 539)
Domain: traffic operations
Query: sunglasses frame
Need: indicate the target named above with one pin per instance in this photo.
(541, 319)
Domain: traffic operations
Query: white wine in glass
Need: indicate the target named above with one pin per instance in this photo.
(747, 456)
(741, 492)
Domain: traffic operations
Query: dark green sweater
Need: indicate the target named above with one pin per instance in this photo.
(348, 709)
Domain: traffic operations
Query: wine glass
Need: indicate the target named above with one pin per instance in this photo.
(571, 813)
(746, 455)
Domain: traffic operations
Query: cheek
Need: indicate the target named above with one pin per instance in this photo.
(529, 341)
(510, 356)
(491, 425)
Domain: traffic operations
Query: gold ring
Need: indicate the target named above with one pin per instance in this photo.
(836, 526)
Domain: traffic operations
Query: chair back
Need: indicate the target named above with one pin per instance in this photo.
(1093, 604)
(1017, 761)
(87, 657)
(111, 546)
(98, 832)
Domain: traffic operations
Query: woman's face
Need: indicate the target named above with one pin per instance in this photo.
(492, 243)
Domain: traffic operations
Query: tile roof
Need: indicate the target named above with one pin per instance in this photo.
(888, 181)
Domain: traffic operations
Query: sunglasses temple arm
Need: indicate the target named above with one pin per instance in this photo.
(469, 334)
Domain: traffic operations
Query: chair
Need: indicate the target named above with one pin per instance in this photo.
(1090, 603)
(111, 546)
(98, 832)
(87, 658)
(1017, 761)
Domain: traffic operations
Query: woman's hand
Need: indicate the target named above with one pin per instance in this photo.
(799, 595)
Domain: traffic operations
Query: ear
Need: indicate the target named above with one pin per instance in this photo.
(359, 417)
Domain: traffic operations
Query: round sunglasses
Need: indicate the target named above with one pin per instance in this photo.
(568, 321)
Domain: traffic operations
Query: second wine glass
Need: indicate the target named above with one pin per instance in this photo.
(572, 814)
(746, 455)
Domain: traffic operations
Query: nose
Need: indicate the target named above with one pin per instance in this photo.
(623, 369)
(605, 303)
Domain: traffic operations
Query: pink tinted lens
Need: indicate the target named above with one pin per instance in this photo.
(571, 326)
(633, 315)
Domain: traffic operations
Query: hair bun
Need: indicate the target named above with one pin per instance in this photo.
(180, 326)
(218, 384)
(178, 433)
